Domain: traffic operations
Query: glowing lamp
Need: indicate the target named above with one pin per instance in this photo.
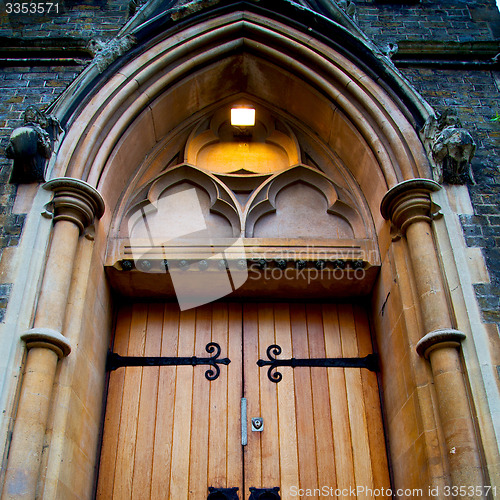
(242, 117)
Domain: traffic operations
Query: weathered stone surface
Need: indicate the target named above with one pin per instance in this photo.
(473, 93)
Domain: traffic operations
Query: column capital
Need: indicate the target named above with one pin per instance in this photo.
(446, 337)
(76, 201)
(409, 202)
(49, 339)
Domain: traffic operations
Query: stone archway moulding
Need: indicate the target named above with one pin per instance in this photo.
(377, 125)
(178, 79)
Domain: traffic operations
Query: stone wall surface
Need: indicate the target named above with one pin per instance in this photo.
(476, 96)
(69, 26)
(81, 19)
(20, 87)
(446, 20)
(475, 93)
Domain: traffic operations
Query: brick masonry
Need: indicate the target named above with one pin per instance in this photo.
(446, 20)
(475, 93)
(68, 18)
(20, 87)
(476, 96)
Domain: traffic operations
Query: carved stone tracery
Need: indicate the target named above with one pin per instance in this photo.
(232, 185)
(264, 199)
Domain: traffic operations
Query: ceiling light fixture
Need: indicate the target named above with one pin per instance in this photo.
(242, 116)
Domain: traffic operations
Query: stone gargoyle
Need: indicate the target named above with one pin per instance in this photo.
(30, 146)
(451, 147)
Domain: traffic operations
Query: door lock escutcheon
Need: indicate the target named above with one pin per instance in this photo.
(257, 424)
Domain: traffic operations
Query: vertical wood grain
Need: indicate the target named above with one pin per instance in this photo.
(344, 466)
(308, 473)
(288, 447)
(160, 484)
(218, 418)
(234, 393)
(143, 462)
(198, 454)
(252, 452)
(109, 448)
(355, 401)
(375, 427)
(269, 438)
(179, 472)
(323, 434)
(169, 433)
(130, 408)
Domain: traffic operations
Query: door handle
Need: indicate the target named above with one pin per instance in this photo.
(257, 423)
(244, 435)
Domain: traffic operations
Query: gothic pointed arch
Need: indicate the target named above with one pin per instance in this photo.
(343, 130)
(212, 195)
(344, 220)
(184, 63)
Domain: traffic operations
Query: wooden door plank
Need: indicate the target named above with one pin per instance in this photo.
(380, 469)
(160, 485)
(179, 472)
(111, 431)
(269, 438)
(308, 473)
(198, 462)
(323, 427)
(344, 467)
(355, 400)
(234, 452)
(323, 433)
(143, 467)
(218, 419)
(130, 408)
(251, 452)
(288, 447)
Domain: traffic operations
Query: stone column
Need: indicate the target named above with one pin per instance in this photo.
(408, 205)
(76, 204)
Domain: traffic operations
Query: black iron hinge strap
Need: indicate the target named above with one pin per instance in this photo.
(370, 362)
(115, 361)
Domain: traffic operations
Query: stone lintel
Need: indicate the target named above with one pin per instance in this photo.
(409, 202)
(438, 339)
(49, 339)
(76, 201)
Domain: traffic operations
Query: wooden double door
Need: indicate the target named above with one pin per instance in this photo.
(170, 433)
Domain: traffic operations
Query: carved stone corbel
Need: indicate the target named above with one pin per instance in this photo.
(349, 7)
(450, 148)
(30, 146)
